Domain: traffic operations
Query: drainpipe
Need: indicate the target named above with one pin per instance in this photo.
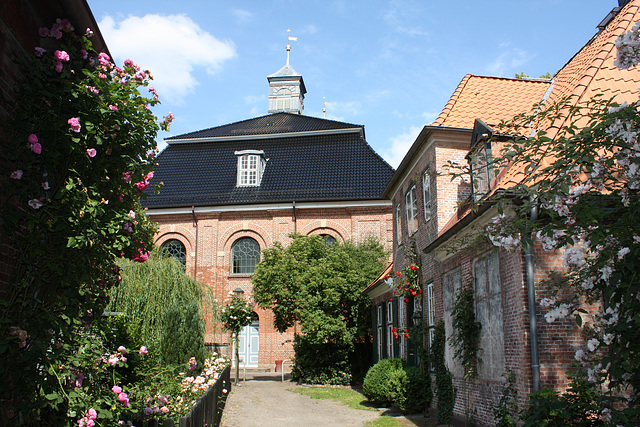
(531, 298)
(295, 223)
(195, 261)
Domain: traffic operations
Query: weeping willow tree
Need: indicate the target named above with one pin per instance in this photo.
(167, 307)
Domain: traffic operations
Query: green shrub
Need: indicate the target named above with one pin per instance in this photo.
(416, 391)
(183, 334)
(326, 363)
(382, 383)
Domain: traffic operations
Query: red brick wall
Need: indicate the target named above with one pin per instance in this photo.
(218, 231)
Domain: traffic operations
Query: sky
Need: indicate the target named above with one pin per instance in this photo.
(388, 65)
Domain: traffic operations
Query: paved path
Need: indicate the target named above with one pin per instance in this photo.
(264, 400)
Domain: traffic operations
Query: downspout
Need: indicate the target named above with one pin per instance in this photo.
(295, 223)
(195, 261)
(531, 297)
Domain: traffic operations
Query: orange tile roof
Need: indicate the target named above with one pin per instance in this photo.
(591, 71)
(491, 99)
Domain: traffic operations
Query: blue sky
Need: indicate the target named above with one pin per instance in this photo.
(388, 65)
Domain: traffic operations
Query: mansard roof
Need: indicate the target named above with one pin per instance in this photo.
(308, 159)
(271, 124)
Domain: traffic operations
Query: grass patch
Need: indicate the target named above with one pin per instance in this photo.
(346, 396)
(383, 421)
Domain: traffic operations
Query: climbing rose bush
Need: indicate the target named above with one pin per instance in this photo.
(79, 154)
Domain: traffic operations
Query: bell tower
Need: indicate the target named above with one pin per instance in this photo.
(286, 89)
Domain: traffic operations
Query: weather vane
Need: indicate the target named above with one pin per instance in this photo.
(324, 107)
(289, 38)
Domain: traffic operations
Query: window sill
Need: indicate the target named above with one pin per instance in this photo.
(239, 275)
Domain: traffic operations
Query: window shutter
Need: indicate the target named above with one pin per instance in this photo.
(374, 330)
(396, 323)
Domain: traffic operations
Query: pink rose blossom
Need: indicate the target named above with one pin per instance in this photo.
(113, 360)
(39, 51)
(43, 32)
(122, 349)
(91, 152)
(36, 148)
(142, 185)
(84, 53)
(17, 174)
(74, 122)
(32, 138)
(113, 107)
(126, 177)
(132, 214)
(55, 32)
(116, 389)
(61, 55)
(103, 58)
(88, 33)
(102, 76)
(122, 397)
(143, 350)
(59, 67)
(140, 256)
(35, 203)
(128, 63)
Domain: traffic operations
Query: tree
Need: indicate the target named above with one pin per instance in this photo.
(319, 286)
(236, 315)
(585, 183)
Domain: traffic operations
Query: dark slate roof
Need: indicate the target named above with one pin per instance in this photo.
(329, 166)
(269, 124)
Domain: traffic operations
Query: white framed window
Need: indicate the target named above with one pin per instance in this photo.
(402, 322)
(482, 169)
(379, 330)
(398, 224)
(431, 313)
(390, 336)
(411, 206)
(245, 255)
(426, 195)
(251, 165)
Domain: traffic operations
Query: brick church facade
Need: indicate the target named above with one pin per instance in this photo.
(231, 191)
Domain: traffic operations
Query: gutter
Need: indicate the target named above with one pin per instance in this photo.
(531, 300)
(195, 260)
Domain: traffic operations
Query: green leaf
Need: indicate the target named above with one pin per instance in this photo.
(52, 396)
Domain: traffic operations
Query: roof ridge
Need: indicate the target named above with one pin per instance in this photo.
(452, 101)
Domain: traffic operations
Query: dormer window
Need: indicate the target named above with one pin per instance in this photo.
(251, 165)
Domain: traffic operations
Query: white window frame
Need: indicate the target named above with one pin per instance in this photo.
(411, 207)
(431, 313)
(483, 170)
(379, 330)
(426, 195)
(398, 224)
(251, 165)
(390, 336)
(402, 324)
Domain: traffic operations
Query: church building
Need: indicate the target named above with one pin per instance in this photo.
(231, 191)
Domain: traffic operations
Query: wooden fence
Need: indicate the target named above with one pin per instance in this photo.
(208, 409)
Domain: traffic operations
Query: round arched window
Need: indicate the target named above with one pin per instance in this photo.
(329, 240)
(175, 248)
(245, 255)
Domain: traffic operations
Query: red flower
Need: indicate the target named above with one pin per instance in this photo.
(406, 335)
(406, 300)
(398, 274)
(390, 299)
(421, 290)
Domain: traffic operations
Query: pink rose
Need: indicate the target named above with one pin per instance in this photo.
(32, 138)
(91, 152)
(17, 174)
(143, 350)
(92, 414)
(103, 58)
(36, 148)
(122, 397)
(61, 55)
(55, 32)
(113, 107)
(126, 177)
(74, 122)
(140, 256)
(142, 185)
(84, 53)
(116, 389)
(128, 63)
(88, 33)
(59, 67)
(113, 360)
(122, 349)
(43, 32)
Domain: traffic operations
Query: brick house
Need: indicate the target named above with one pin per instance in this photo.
(432, 220)
(231, 191)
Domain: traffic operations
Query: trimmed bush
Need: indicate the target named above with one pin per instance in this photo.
(382, 383)
(390, 382)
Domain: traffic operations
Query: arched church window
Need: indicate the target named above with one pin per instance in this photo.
(175, 248)
(329, 240)
(245, 255)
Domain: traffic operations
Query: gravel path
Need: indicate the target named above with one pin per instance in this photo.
(265, 401)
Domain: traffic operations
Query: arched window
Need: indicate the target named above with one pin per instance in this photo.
(175, 248)
(329, 240)
(245, 255)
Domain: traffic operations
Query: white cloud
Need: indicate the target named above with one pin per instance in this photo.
(242, 16)
(338, 110)
(400, 145)
(512, 58)
(170, 46)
